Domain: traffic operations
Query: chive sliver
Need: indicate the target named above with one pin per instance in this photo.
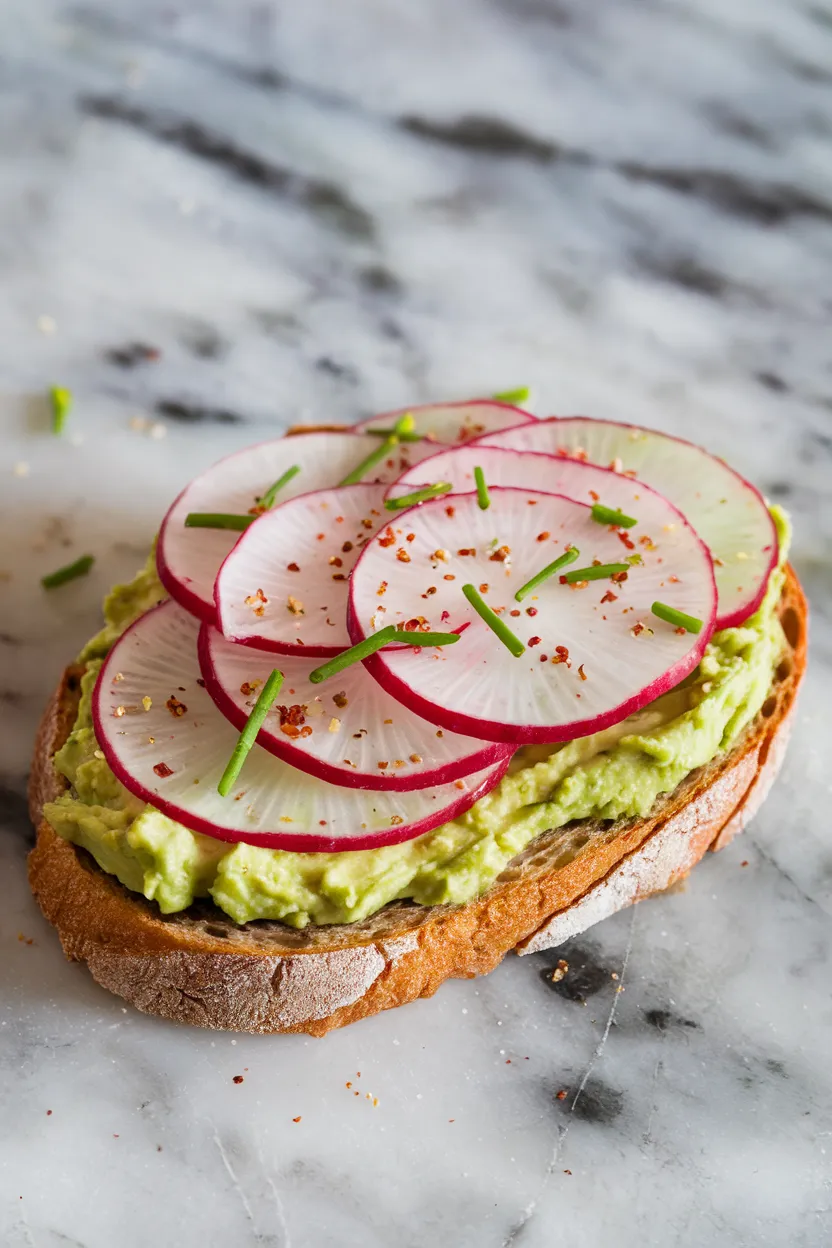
(482, 489)
(217, 520)
(418, 496)
(670, 615)
(68, 573)
(513, 397)
(248, 736)
(61, 400)
(426, 639)
(489, 617)
(267, 501)
(609, 515)
(596, 573)
(355, 654)
(563, 561)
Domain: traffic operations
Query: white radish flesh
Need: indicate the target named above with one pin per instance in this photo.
(284, 585)
(168, 744)
(728, 513)
(594, 654)
(188, 559)
(346, 729)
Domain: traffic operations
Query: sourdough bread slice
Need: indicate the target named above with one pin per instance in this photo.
(199, 967)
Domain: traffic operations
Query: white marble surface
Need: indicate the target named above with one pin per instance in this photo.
(321, 210)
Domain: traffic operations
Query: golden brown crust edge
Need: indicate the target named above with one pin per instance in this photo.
(267, 979)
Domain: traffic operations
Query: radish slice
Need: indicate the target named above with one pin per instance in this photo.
(448, 424)
(728, 513)
(284, 585)
(593, 655)
(553, 474)
(346, 730)
(173, 755)
(188, 559)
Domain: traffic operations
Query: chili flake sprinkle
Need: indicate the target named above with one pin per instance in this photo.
(581, 672)
(341, 700)
(346, 548)
(402, 555)
(561, 656)
(387, 538)
(335, 561)
(162, 770)
(544, 536)
(534, 641)
(176, 708)
(501, 554)
(466, 550)
(295, 606)
(292, 567)
(609, 596)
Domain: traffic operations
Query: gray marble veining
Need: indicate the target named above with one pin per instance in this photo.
(221, 218)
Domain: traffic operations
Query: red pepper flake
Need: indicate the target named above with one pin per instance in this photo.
(293, 715)
(402, 555)
(418, 624)
(382, 766)
(289, 730)
(484, 587)
(298, 1119)
(176, 708)
(336, 562)
(292, 567)
(431, 589)
(581, 672)
(674, 580)
(544, 658)
(339, 519)
(238, 1079)
(595, 497)
(49, 1111)
(445, 616)
(500, 554)
(647, 542)
(341, 700)
(619, 577)
(449, 576)
(387, 538)
(294, 605)
(248, 687)
(562, 1095)
(415, 758)
(544, 536)
(466, 550)
(561, 655)
(410, 537)
(450, 511)
(625, 539)
(162, 770)
(368, 524)
(338, 576)
(257, 601)
(515, 612)
(440, 555)
(680, 631)
(460, 784)
(321, 537)
(531, 610)
(535, 641)
(346, 548)
(382, 589)
(395, 820)
(609, 596)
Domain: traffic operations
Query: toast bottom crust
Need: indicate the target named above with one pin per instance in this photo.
(200, 968)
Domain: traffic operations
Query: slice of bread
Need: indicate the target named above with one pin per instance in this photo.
(199, 967)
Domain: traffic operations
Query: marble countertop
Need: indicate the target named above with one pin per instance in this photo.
(321, 211)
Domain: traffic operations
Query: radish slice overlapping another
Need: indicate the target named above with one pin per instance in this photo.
(347, 729)
(188, 559)
(728, 513)
(533, 470)
(446, 424)
(284, 585)
(168, 744)
(593, 650)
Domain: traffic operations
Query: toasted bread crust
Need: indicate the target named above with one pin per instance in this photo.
(198, 967)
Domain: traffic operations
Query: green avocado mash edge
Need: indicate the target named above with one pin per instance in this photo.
(616, 773)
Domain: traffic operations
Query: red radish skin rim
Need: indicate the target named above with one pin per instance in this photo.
(739, 614)
(178, 589)
(315, 843)
(516, 734)
(524, 417)
(267, 644)
(489, 755)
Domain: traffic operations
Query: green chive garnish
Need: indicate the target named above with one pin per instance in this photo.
(562, 561)
(61, 403)
(354, 655)
(678, 618)
(482, 489)
(388, 433)
(79, 568)
(507, 637)
(217, 520)
(514, 397)
(249, 734)
(608, 515)
(595, 573)
(267, 501)
(403, 425)
(418, 496)
(426, 639)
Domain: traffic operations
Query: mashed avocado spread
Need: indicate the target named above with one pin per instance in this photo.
(616, 773)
